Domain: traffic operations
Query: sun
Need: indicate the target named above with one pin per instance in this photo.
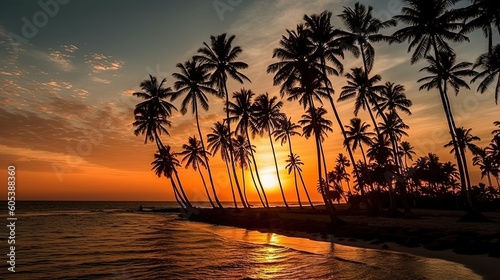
(269, 181)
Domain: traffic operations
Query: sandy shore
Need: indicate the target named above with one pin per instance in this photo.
(436, 234)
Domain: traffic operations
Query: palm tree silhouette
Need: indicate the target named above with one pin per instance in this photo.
(165, 163)
(483, 14)
(430, 24)
(242, 154)
(406, 150)
(343, 162)
(266, 118)
(243, 109)
(490, 68)
(486, 163)
(357, 135)
(328, 46)
(193, 82)
(293, 163)
(218, 141)
(155, 95)
(446, 73)
(150, 125)
(392, 97)
(284, 132)
(196, 156)
(219, 58)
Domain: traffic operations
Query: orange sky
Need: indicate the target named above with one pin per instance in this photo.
(66, 109)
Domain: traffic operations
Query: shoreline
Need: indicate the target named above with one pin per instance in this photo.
(405, 236)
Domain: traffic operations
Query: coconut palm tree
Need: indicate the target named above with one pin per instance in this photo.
(243, 109)
(483, 14)
(343, 162)
(220, 58)
(406, 150)
(218, 141)
(266, 118)
(293, 163)
(193, 81)
(242, 155)
(196, 156)
(489, 64)
(486, 163)
(429, 25)
(165, 163)
(357, 135)
(284, 132)
(328, 47)
(392, 97)
(358, 88)
(445, 73)
(155, 97)
(150, 125)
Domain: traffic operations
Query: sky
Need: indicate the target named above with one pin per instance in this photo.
(68, 69)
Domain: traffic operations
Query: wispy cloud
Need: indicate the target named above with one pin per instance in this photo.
(101, 62)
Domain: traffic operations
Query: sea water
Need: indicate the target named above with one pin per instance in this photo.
(107, 240)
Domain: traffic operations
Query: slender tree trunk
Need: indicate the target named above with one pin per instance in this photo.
(276, 166)
(244, 186)
(182, 189)
(305, 189)
(294, 172)
(205, 157)
(339, 121)
(256, 169)
(231, 150)
(489, 180)
(205, 185)
(177, 195)
(231, 184)
(255, 185)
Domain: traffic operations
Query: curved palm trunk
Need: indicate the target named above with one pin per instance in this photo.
(244, 186)
(231, 150)
(177, 195)
(276, 166)
(326, 174)
(339, 121)
(305, 189)
(451, 128)
(489, 179)
(205, 185)
(205, 157)
(294, 172)
(182, 189)
(255, 185)
(231, 184)
(256, 169)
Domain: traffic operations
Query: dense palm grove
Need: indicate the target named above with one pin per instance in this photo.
(386, 172)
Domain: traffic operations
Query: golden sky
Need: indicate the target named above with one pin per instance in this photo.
(66, 99)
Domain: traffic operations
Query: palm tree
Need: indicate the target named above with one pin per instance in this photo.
(293, 163)
(392, 97)
(165, 163)
(219, 58)
(486, 164)
(328, 47)
(343, 162)
(196, 156)
(406, 150)
(284, 132)
(266, 118)
(430, 24)
(484, 14)
(217, 141)
(357, 135)
(193, 82)
(464, 139)
(243, 109)
(358, 87)
(242, 154)
(490, 69)
(446, 73)
(155, 95)
(150, 125)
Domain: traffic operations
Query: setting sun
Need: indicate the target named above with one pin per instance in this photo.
(269, 180)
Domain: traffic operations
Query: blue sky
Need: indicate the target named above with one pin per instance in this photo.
(66, 88)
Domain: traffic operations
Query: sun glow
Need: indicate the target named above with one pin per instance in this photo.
(269, 180)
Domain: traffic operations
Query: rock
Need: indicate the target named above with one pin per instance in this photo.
(385, 247)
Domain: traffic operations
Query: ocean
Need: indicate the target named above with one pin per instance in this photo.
(107, 240)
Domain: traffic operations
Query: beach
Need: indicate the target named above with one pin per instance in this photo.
(434, 234)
